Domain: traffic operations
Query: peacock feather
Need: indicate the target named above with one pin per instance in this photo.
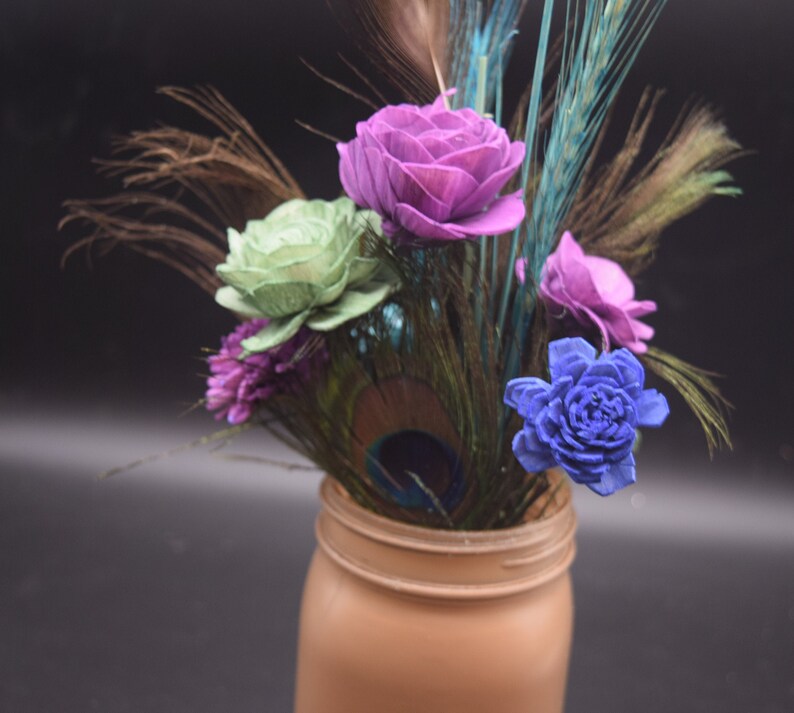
(408, 413)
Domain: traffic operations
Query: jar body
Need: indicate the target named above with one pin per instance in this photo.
(380, 633)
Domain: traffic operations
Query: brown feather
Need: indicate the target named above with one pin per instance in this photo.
(407, 40)
(235, 177)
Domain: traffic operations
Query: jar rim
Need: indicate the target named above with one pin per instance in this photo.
(447, 564)
(394, 532)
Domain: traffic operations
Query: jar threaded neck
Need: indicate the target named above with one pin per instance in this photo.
(449, 564)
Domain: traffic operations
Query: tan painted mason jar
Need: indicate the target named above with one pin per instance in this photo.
(403, 618)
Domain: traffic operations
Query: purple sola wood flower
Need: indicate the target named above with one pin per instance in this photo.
(584, 293)
(585, 420)
(238, 386)
(432, 173)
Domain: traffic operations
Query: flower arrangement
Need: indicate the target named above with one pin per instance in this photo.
(463, 317)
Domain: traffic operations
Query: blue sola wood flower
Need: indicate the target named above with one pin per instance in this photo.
(585, 420)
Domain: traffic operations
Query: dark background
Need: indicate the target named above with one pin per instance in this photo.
(176, 587)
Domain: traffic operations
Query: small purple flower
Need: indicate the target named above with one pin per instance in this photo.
(585, 420)
(432, 173)
(584, 293)
(238, 386)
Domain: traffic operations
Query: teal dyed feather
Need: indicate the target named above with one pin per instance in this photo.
(475, 34)
(594, 67)
(530, 159)
(597, 54)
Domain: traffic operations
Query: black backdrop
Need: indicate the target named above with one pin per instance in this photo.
(127, 333)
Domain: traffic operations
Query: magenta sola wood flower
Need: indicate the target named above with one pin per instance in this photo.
(589, 292)
(585, 420)
(432, 173)
(237, 386)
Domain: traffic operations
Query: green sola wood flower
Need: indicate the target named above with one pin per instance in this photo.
(302, 264)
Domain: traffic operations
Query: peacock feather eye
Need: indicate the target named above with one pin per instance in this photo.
(405, 443)
(407, 464)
